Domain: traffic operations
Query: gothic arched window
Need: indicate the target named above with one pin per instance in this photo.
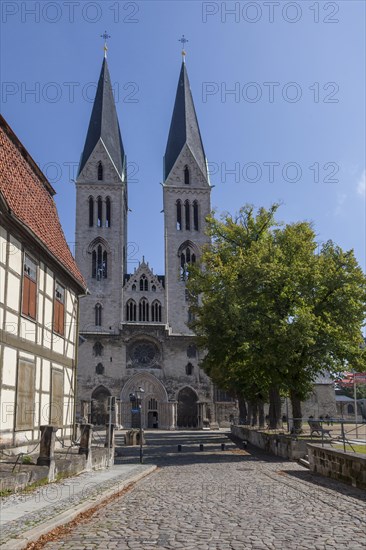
(131, 310)
(187, 214)
(99, 369)
(156, 312)
(179, 215)
(186, 257)
(91, 211)
(98, 315)
(99, 212)
(98, 349)
(186, 175)
(108, 212)
(144, 283)
(189, 369)
(143, 310)
(100, 171)
(195, 215)
(99, 263)
(191, 351)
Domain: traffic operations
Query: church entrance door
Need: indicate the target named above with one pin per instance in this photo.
(152, 419)
(187, 408)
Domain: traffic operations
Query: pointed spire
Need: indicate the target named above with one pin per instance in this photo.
(104, 124)
(184, 127)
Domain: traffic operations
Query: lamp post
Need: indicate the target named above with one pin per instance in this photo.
(136, 398)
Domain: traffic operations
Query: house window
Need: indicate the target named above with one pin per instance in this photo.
(131, 310)
(100, 171)
(91, 211)
(99, 263)
(29, 287)
(186, 175)
(179, 215)
(57, 398)
(98, 315)
(98, 349)
(189, 369)
(187, 214)
(59, 309)
(195, 215)
(156, 312)
(99, 212)
(25, 398)
(143, 310)
(108, 212)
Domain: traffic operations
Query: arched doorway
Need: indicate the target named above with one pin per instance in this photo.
(187, 408)
(157, 411)
(99, 406)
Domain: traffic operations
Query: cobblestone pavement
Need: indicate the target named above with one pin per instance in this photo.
(224, 500)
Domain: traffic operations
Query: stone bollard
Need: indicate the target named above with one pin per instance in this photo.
(47, 450)
(85, 443)
(223, 446)
(179, 448)
(201, 447)
(109, 442)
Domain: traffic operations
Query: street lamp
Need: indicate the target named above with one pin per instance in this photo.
(136, 398)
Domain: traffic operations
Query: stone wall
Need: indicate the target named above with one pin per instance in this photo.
(276, 444)
(336, 464)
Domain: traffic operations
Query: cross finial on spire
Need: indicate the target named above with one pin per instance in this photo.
(184, 41)
(105, 35)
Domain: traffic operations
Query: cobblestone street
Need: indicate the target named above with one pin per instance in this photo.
(223, 500)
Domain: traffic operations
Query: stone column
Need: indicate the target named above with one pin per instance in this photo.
(47, 450)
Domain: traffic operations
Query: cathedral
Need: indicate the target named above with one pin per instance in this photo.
(133, 326)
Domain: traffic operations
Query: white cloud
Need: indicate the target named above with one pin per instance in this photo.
(361, 185)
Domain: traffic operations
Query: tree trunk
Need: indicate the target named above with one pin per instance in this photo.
(296, 411)
(261, 414)
(254, 413)
(250, 413)
(243, 412)
(275, 418)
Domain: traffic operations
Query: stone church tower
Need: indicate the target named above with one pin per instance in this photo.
(133, 326)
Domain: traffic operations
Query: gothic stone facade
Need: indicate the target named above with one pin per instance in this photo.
(133, 326)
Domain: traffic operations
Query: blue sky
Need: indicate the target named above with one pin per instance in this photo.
(279, 90)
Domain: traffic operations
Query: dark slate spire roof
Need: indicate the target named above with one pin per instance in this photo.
(104, 123)
(184, 127)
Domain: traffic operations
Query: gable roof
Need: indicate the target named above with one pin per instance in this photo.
(104, 124)
(29, 198)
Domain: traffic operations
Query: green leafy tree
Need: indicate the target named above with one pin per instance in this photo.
(271, 312)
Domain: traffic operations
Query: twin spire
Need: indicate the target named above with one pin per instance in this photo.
(104, 126)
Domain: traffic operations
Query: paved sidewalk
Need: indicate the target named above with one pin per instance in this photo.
(25, 517)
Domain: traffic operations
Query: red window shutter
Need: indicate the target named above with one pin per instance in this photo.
(55, 315)
(61, 328)
(25, 303)
(32, 299)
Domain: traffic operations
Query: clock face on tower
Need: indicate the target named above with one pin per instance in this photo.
(143, 354)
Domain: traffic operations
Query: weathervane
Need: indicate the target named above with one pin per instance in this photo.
(105, 35)
(184, 41)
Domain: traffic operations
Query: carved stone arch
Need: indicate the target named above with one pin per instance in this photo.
(149, 383)
(187, 244)
(187, 410)
(99, 405)
(95, 242)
